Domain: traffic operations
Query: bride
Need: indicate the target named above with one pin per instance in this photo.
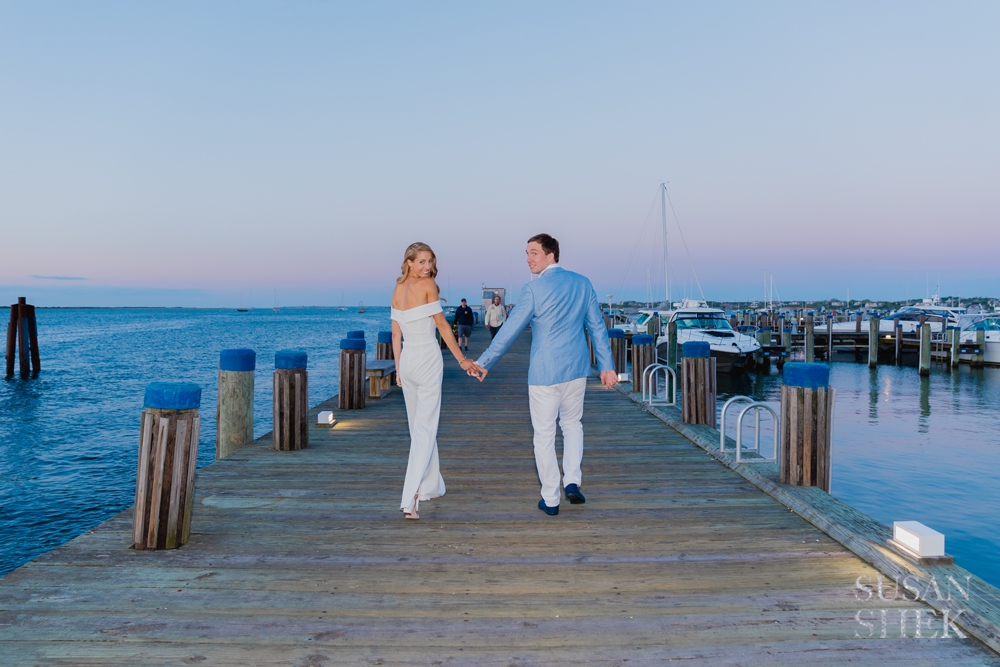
(416, 312)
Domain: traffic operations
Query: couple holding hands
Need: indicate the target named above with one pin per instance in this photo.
(560, 305)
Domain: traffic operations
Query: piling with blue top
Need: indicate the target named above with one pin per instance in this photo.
(383, 345)
(356, 334)
(764, 340)
(234, 413)
(351, 395)
(619, 353)
(698, 388)
(806, 425)
(291, 400)
(643, 356)
(168, 459)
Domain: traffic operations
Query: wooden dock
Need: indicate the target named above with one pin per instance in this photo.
(302, 558)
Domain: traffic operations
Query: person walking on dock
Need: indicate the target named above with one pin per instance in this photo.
(559, 305)
(496, 315)
(465, 320)
(416, 313)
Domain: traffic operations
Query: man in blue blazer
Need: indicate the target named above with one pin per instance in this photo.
(559, 305)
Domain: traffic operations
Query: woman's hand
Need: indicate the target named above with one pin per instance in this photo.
(399, 380)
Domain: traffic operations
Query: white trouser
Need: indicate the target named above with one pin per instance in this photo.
(565, 401)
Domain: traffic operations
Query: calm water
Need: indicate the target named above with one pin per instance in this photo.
(904, 447)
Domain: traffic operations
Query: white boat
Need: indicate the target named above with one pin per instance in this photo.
(931, 309)
(991, 325)
(696, 321)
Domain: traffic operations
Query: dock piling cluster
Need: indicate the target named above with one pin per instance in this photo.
(22, 339)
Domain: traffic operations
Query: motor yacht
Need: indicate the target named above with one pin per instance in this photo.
(991, 325)
(938, 315)
(733, 351)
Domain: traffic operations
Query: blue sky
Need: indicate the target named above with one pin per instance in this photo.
(190, 153)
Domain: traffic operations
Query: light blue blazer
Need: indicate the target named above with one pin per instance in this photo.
(559, 305)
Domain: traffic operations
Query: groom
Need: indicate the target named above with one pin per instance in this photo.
(559, 305)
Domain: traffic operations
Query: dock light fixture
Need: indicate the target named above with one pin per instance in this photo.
(325, 418)
(918, 543)
(624, 377)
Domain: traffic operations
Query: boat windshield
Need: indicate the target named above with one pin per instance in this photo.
(989, 324)
(702, 321)
(643, 319)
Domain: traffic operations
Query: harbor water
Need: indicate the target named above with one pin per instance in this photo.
(905, 447)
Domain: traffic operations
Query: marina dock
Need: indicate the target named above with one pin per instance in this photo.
(303, 558)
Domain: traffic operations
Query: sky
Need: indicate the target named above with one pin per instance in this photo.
(211, 154)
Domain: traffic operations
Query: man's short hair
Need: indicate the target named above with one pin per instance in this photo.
(549, 245)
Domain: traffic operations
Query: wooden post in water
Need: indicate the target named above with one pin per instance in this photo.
(978, 359)
(806, 421)
(234, 412)
(829, 338)
(698, 387)
(618, 353)
(925, 348)
(763, 338)
(643, 356)
(672, 345)
(873, 333)
(955, 336)
(22, 339)
(351, 394)
(168, 459)
(291, 400)
(857, 322)
(810, 342)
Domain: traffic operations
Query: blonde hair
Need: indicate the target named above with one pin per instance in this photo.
(411, 255)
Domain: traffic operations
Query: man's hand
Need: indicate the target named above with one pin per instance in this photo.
(609, 379)
(476, 371)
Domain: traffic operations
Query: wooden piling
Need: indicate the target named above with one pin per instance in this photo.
(829, 338)
(168, 459)
(806, 421)
(291, 400)
(955, 336)
(978, 359)
(22, 339)
(672, 345)
(643, 355)
(810, 349)
(383, 346)
(351, 394)
(925, 348)
(698, 388)
(764, 339)
(857, 322)
(873, 333)
(234, 411)
(897, 330)
(618, 351)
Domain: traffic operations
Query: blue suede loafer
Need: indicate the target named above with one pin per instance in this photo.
(551, 511)
(574, 495)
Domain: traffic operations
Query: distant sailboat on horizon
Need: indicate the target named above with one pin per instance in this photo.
(241, 309)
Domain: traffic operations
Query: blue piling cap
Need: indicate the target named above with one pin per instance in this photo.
(899, 325)
(356, 334)
(616, 333)
(765, 328)
(696, 348)
(642, 339)
(385, 336)
(352, 344)
(787, 329)
(287, 359)
(172, 396)
(241, 359)
(807, 376)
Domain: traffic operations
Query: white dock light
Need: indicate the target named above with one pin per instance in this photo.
(325, 418)
(916, 542)
(624, 377)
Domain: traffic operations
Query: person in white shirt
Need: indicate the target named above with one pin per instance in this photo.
(495, 316)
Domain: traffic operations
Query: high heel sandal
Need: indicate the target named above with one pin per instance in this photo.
(413, 514)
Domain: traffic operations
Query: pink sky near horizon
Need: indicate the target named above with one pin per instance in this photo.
(185, 154)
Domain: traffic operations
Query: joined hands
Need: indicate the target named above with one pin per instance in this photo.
(473, 369)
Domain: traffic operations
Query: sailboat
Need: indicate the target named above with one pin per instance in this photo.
(241, 309)
(274, 307)
(697, 321)
(361, 309)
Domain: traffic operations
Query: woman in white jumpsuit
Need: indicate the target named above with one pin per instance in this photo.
(416, 313)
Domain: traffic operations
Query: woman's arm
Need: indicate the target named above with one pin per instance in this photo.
(397, 348)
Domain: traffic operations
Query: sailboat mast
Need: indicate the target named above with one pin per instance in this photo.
(666, 266)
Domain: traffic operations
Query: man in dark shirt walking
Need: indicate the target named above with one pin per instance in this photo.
(464, 319)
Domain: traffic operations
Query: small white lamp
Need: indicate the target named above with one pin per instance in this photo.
(325, 418)
(918, 543)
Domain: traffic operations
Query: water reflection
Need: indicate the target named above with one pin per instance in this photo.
(873, 393)
(923, 422)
